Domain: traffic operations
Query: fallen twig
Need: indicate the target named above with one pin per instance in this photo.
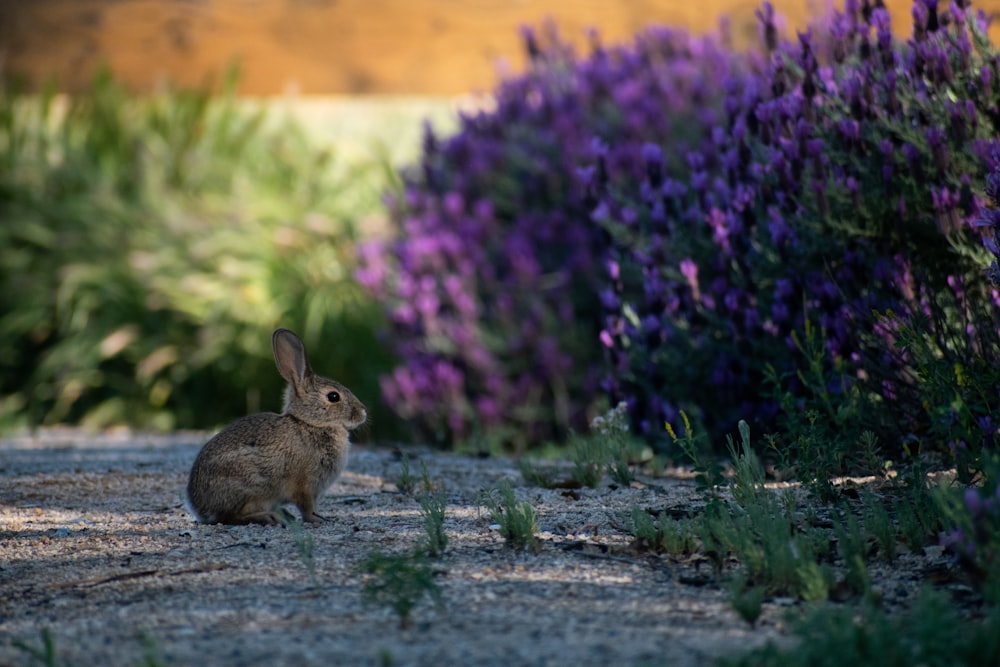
(138, 574)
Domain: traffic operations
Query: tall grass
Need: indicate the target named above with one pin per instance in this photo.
(150, 246)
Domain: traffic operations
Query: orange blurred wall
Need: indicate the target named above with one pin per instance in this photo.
(432, 47)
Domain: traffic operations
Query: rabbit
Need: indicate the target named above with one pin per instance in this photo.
(259, 462)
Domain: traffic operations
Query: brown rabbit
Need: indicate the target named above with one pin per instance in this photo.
(262, 461)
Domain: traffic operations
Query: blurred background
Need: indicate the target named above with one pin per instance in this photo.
(332, 47)
(179, 177)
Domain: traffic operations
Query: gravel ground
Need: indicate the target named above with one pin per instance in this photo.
(96, 547)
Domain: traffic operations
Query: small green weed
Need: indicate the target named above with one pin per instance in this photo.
(537, 475)
(708, 474)
(748, 482)
(879, 526)
(399, 581)
(608, 447)
(304, 545)
(407, 482)
(777, 554)
(589, 458)
(852, 549)
(613, 428)
(868, 457)
(45, 654)
(152, 656)
(517, 520)
(661, 534)
(918, 514)
(747, 601)
(432, 505)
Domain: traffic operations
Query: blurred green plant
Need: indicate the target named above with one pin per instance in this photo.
(151, 244)
(399, 581)
(932, 632)
(45, 654)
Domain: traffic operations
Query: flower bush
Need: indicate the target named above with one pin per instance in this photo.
(491, 280)
(989, 222)
(839, 182)
(682, 227)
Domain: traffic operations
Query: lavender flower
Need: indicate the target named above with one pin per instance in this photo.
(619, 223)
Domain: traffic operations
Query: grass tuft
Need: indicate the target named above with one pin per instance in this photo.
(517, 520)
(432, 505)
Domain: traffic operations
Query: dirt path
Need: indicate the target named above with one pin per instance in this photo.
(95, 545)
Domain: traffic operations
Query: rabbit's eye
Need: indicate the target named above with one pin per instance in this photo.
(333, 397)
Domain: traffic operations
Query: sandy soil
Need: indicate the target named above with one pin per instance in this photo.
(96, 547)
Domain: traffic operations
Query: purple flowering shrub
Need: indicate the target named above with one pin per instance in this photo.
(838, 182)
(959, 376)
(989, 222)
(974, 536)
(491, 281)
(669, 223)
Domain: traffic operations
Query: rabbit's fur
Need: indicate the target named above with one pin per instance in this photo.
(262, 461)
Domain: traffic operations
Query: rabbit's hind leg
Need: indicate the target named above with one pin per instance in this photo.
(269, 518)
(265, 514)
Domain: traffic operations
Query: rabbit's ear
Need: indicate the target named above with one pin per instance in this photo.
(290, 356)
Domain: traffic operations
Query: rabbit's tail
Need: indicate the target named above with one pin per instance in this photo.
(192, 511)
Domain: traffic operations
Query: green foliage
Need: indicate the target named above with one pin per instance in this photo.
(918, 517)
(399, 581)
(152, 244)
(781, 550)
(747, 601)
(958, 378)
(823, 431)
(432, 505)
(852, 550)
(879, 526)
(517, 520)
(537, 475)
(589, 455)
(932, 633)
(662, 533)
(152, 655)
(405, 481)
(748, 482)
(694, 445)
(613, 428)
(778, 553)
(45, 654)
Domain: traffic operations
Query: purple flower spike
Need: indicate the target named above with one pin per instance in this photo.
(973, 502)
